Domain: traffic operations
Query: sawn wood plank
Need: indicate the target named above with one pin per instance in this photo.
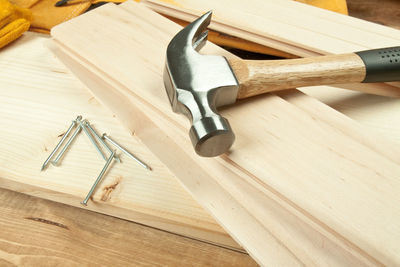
(39, 97)
(322, 174)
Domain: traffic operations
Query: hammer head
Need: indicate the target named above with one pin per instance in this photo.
(197, 85)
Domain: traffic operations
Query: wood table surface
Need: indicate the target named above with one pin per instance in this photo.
(385, 12)
(38, 232)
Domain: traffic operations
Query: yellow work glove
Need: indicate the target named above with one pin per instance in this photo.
(48, 13)
(13, 22)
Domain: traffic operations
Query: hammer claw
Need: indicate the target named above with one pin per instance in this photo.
(199, 30)
(200, 41)
(194, 36)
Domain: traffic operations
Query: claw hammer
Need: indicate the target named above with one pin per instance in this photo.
(198, 84)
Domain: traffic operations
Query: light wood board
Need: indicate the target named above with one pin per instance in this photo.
(39, 97)
(300, 26)
(377, 114)
(317, 173)
(292, 27)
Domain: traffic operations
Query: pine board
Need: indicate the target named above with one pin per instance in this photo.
(292, 27)
(331, 175)
(69, 236)
(262, 244)
(297, 24)
(377, 114)
(39, 98)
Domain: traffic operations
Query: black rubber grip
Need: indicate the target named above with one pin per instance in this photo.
(382, 65)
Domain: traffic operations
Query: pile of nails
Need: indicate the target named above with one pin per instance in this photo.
(80, 124)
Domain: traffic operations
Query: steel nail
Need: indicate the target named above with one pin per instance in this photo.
(101, 140)
(105, 136)
(85, 201)
(84, 124)
(77, 130)
(78, 118)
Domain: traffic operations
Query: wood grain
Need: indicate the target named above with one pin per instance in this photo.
(302, 27)
(262, 76)
(269, 161)
(292, 27)
(41, 99)
(309, 249)
(237, 43)
(377, 114)
(209, 192)
(37, 232)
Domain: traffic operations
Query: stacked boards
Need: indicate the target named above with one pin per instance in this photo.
(291, 27)
(36, 110)
(303, 184)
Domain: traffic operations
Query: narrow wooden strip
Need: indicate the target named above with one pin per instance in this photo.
(242, 32)
(348, 21)
(287, 15)
(225, 40)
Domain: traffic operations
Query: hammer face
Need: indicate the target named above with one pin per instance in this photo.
(196, 85)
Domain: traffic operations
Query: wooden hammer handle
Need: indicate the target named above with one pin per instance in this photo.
(259, 76)
(262, 76)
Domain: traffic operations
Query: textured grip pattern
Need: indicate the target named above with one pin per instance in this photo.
(382, 65)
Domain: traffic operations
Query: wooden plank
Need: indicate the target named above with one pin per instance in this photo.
(336, 119)
(224, 27)
(213, 197)
(41, 99)
(237, 43)
(376, 113)
(38, 232)
(259, 161)
(292, 27)
(289, 22)
(308, 249)
(341, 20)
